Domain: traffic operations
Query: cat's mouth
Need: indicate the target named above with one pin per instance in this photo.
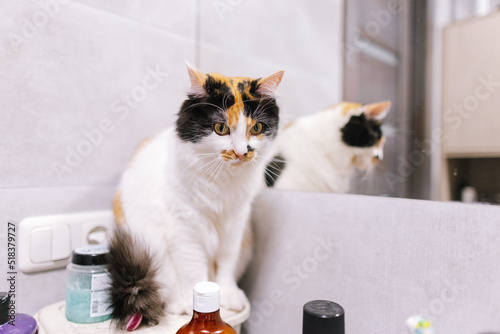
(237, 159)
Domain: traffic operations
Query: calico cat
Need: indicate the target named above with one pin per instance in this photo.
(320, 152)
(183, 204)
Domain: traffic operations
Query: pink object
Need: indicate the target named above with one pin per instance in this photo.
(134, 322)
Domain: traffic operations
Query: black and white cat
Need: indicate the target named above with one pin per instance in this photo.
(320, 152)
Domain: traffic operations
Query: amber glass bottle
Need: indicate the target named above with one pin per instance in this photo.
(206, 312)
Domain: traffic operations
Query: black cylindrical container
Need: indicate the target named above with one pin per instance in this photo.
(323, 317)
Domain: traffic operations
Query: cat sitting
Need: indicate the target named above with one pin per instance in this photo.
(183, 204)
(320, 152)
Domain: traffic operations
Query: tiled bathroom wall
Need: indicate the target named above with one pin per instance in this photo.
(83, 82)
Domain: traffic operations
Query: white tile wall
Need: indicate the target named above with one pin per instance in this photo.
(302, 39)
(66, 64)
(296, 35)
(172, 16)
(69, 78)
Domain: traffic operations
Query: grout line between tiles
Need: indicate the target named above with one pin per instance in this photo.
(138, 22)
(197, 34)
(68, 187)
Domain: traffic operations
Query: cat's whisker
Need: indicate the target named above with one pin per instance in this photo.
(207, 155)
(201, 157)
(273, 176)
(224, 99)
(210, 169)
(270, 165)
(261, 109)
(279, 160)
(218, 171)
(210, 164)
(208, 104)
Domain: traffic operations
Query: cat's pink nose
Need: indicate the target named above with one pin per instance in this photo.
(241, 156)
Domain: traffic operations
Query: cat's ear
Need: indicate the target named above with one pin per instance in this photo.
(269, 85)
(197, 81)
(376, 111)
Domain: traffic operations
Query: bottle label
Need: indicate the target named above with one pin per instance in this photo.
(99, 295)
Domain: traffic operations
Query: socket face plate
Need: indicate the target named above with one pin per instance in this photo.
(46, 242)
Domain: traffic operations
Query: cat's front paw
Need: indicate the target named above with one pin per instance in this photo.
(181, 302)
(232, 298)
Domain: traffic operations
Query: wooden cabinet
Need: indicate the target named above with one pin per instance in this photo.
(470, 101)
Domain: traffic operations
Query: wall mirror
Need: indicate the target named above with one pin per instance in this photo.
(435, 62)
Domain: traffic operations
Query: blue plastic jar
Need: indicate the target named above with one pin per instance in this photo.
(87, 286)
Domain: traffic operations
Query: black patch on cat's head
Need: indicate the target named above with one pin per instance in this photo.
(274, 170)
(261, 108)
(361, 132)
(198, 115)
(219, 93)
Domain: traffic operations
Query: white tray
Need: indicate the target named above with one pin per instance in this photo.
(52, 320)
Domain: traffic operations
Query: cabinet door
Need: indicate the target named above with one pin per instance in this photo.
(471, 87)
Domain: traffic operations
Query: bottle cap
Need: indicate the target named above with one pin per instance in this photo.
(4, 307)
(323, 317)
(206, 297)
(91, 255)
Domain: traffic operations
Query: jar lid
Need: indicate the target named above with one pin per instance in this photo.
(323, 317)
(4, 307)
(206, 297)
(90, 255)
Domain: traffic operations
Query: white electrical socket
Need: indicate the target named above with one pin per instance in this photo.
(46, 242)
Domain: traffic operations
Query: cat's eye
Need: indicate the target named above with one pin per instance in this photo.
(256, 129)
(221, 129)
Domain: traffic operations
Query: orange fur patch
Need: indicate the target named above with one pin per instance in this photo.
(249, 156)
(247, 242)
(234, 112)
(117, 200)
(356, 163)
(141, 147)
(231, 155)
(348, 106)
(247, 91)
(288, 125)
(118, 209)
(380, 142)
(228, 155)
(250, 124)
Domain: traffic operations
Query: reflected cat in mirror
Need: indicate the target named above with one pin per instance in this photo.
(320, 152)
(183, 204)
